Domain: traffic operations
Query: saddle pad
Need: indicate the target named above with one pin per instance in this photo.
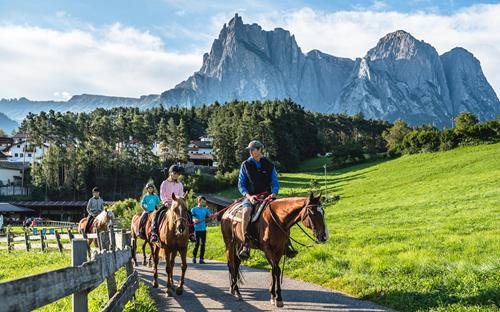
(234, 213)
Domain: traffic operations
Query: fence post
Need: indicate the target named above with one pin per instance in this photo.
(58, 238)
(27, 240)
(9, 240)
(42, 241)
(79, 256)
(112, 238)
(104, 239)
(126, 242)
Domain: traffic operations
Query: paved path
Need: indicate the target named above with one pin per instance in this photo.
(206, 289)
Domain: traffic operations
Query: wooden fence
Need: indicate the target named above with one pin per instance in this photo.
(41, 241)
(31, 292)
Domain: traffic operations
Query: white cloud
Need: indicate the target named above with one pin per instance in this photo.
(43, 63)
(39, 62)
(353, 33)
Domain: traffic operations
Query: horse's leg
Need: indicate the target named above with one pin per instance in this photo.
(134, 253)
(237, 274)
(173, 254)
(270, 258)
(156, 259)
(180, 288)
(150, 262)
(144, 253)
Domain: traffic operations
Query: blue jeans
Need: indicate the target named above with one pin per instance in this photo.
(246, 203)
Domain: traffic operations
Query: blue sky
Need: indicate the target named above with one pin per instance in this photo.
(54, 49)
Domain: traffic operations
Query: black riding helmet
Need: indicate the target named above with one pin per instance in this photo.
(175, 168)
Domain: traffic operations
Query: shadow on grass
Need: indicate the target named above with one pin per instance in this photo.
(422, 301)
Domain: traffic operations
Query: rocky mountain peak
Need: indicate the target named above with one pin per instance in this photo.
(397, 45)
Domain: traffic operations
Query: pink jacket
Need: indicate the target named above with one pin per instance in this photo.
(169, 187)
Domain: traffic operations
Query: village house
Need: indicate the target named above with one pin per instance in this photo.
(19, 149)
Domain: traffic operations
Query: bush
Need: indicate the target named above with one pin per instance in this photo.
(206, 183)
(124, 210)
(421, 141)
(449, 139)
(347, 154)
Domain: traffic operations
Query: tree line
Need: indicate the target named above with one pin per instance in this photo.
(113, 148)
(402, 139)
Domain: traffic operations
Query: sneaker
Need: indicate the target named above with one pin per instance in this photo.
(202, 262)
(194, 260)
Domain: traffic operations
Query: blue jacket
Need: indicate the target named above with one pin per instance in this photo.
(242, 179)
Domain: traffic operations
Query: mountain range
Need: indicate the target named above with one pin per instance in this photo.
(401, 77)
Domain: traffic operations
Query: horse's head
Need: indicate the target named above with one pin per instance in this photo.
(313, 217)
(180, 215)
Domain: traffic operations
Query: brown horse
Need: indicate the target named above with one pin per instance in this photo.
(274, 231)
(134, 230)
(102, 222)
(174, 237)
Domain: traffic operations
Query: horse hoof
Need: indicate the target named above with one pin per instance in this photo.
(155, 285)
(179, 291)
(238, 297)
(169, 292)
(273, 302)
(279, 304)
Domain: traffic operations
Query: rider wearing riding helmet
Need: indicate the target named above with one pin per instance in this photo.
(95, 206)
(149, 202)
(167, 187)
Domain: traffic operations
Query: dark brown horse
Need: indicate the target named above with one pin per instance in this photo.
(174, 237)
(274, 231)
(134, 230)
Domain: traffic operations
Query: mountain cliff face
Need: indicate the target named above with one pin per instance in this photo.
(405, 78)
(248, 63)
(401, 77)
(469, 89)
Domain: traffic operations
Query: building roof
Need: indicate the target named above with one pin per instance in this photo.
(58, 203)
(6, 207)
(216, 199)
(6, 140)
(20, 135)
(13, 165)
(201, 156)
(201, 144)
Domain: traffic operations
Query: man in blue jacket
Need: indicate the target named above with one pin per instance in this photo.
(257, 175)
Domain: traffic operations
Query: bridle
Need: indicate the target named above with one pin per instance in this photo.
(306, 215)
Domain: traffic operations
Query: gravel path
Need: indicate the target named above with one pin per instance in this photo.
(206, 289)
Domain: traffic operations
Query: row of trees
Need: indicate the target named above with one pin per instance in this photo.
(402, 139)
(113, 148)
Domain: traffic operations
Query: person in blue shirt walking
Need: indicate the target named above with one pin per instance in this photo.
(150, 201)
(200, 213)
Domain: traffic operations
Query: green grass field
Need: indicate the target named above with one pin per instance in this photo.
(416, 233)
(22, 263)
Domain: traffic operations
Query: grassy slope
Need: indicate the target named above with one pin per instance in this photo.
(415, 233)
(22, 263)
